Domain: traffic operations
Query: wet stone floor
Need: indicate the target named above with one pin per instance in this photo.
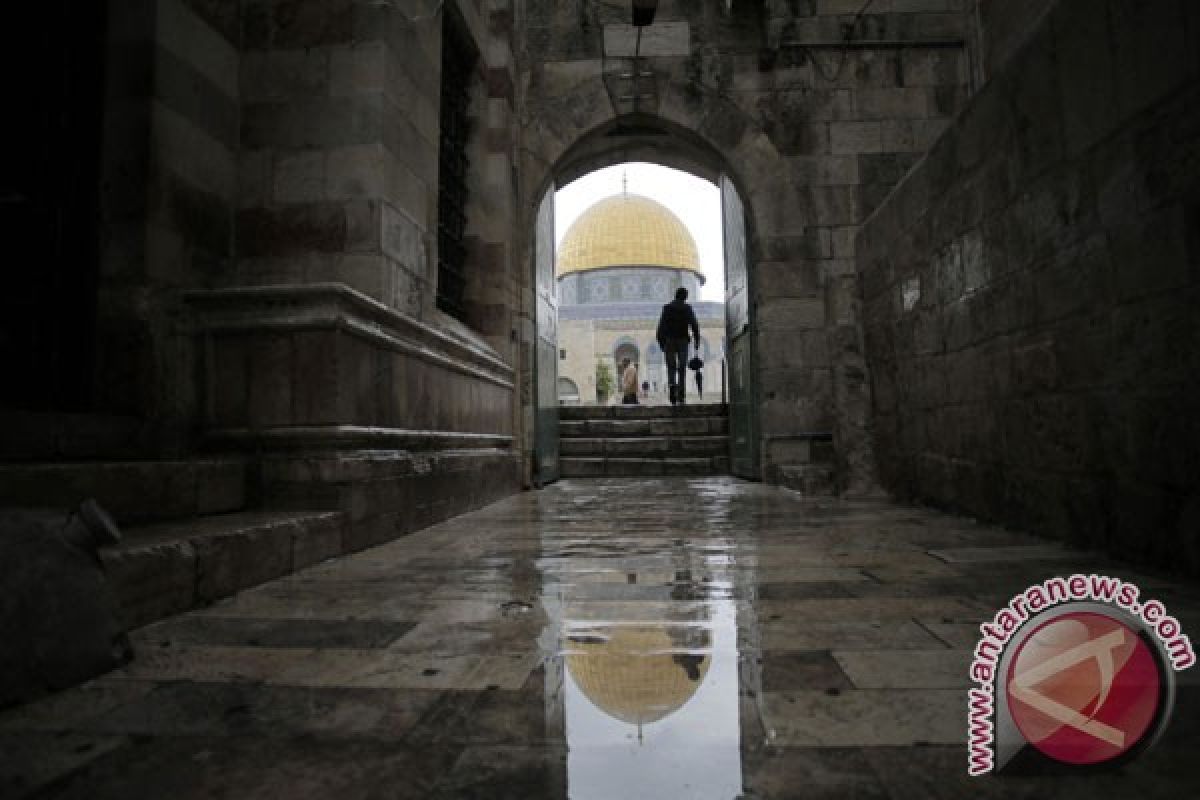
(636, 638)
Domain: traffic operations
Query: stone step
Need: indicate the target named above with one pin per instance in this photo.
(131, 491)
(574, 413)
(811, 479)
(646, 446)
(628, 428)
(166, 568)
(612, 467)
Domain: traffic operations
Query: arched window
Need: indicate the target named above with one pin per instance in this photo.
(626, 348)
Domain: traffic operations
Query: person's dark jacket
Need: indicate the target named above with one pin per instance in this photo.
(673, 324)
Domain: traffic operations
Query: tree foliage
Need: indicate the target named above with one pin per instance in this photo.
(605, 383)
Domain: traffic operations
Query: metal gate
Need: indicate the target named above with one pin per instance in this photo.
(545, 364)
(739, 333)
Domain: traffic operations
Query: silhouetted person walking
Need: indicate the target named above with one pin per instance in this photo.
(676, 320)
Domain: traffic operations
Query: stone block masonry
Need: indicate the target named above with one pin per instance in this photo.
(169, 154)
(338, 166)
(1030, 293)
(816, 130)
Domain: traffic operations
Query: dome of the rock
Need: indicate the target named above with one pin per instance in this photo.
(638, 675)
(627, 230)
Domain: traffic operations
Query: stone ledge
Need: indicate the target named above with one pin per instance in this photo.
(334, 305)
(171, 567)
(354, 436)
(324, 505)
(369, 465)
(386, 494)
(811, 479)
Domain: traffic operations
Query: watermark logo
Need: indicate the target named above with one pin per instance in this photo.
(1078, 670)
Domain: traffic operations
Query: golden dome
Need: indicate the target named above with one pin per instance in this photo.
(627, 230)
(635, 676)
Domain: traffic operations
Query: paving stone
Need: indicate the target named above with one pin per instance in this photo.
(506, 771)
(231, 709)
(209, 664)
(800, 635)
(815, 642)
(987, 555)
(73, 708)
(865, 718)
(803, 590)
(370, 669)
(871, 608)
(906, 669)
(957, 635)
(811, 671)
(820, 774)
(258, 769)
(274, 633)
(29, 761)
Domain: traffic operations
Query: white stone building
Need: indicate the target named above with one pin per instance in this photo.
(619, 263)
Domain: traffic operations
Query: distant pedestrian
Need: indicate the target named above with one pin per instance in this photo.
(629, 382)
(676, 320)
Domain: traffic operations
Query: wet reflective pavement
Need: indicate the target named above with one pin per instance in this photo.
(625, 638)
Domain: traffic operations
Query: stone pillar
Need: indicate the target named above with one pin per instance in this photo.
(338, 173)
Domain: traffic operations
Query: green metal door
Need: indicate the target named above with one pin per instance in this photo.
(739, 336)
(545, 364)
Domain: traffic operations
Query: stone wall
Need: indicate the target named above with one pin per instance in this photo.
(1031, 289)
(167, 193)
(815, 112)
(325, 342)
(1003, 26)
(338, 172)
(339, 167)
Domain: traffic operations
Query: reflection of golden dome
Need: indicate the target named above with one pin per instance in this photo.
(636, 675)
(627, 230)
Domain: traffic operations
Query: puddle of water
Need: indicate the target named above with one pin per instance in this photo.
(644, 687)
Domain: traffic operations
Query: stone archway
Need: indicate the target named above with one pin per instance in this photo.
(626, 348)
(657, 140)
(806, 376)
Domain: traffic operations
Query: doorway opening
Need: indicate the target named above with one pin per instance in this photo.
(628, 139)
(628, 237)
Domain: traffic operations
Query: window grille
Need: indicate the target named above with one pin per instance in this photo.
(458, 62)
